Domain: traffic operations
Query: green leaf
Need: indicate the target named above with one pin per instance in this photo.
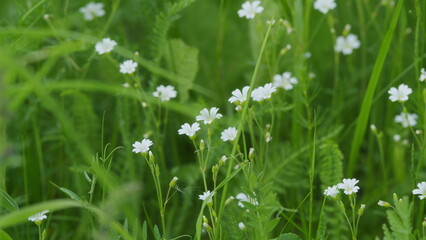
(183, 61)
(368, 98)
(157, 234)
(144, 231)
(288, 236)
(4, 235)
(70, 193)
(9, 199)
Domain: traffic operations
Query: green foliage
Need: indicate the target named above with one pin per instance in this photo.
(400, 220)
(183, 61)
(331, 171)
(288, 236)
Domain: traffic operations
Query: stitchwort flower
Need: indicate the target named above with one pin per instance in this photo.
(406, 119)
(331, 191)
(399, 94)
(142, 146)
(38, 217)
(285, 81)
(250, 9)
(422, 75)
(106, 45)
(263, 93)
(347, 44)
(349, 186)
(189, 130)
(128, 67)
(165, 93)
(242, 197)
(229, 134)
(239, 96)
(208, 116)
(324, 5)
(421, 190)
(207, 196)
(92, 10)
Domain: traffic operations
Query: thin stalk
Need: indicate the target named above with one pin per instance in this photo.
(242, 122)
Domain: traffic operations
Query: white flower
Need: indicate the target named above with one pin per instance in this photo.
(422, 75)
(421, 190)
(189, 130)
(349, 186)
(239, 96)
(331, 191)
(407, 119)
(324, 5)
(165, 93)
(347, 44)
(396, 137)
(229, 134)
(263, 93)
(38, 217)
(92, 10)
(249, 9)
(105, 46)
(245, 198)
(242, 226)
(206, 196)
(400, 94)
(142, 146)
(285, 81)
(208, 116)
(128, 67)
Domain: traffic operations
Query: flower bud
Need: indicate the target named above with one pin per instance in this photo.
(173, 182)
(201, 145)
(251, 154)
(205, 220)
(207, 227)
(229, 200)
(222, 160)
(151, 158)
(361, 210)
(383, 204)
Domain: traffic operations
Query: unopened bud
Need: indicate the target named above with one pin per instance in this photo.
(173, 182)
(383, 204)
(151, 158)
(229, 200)
(361, 210)
(157, 170)
(207, 227)
(205, 220)
(201, 145)
(223, 160)
(251, 154)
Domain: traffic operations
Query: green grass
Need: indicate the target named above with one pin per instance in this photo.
(68, 124)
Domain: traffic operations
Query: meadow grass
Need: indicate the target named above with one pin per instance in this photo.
(314, 147)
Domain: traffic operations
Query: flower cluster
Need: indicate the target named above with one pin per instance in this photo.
(349, 187)
(263, 92)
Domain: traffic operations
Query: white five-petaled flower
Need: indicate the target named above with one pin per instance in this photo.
(92, 10)
(242, 197)
(331, 191)
(324, 5)
(399, 94)
(105, 46)
(208, 116)
(349, 186)
(406, 119)
(421, 190)
(239, 96)
(38, 217)
(189, 130)
(285, 81)
(206, 196)
(229, 134)
(263, 93)
(128, 66)
(165, 93)
(250, 9)
(347, 44)
(422, 75)
(142, 146)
